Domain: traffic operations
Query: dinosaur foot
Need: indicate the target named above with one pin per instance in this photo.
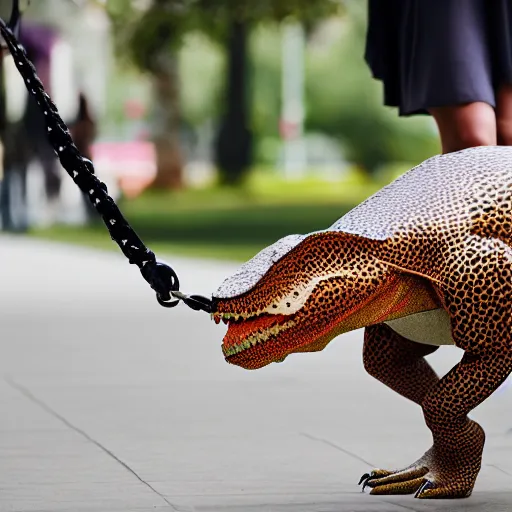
(443, 472)
(404, 481)
(419, 481)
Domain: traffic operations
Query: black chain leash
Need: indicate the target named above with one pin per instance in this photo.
(162, 278)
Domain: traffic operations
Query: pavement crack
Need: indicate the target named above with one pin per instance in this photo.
(336, 447)
(30, 396)
(499, 469)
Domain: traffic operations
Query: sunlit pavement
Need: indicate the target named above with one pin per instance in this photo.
(111, 403)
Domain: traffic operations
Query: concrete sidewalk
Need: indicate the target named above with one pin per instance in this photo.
(111, 403)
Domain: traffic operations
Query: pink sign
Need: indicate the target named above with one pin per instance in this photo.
(131, 164)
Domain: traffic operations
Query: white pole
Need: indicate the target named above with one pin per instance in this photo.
(292, 114)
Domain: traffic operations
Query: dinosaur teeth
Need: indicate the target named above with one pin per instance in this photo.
(257, 338)
(227, 318)
(237, 317)
(232, 317)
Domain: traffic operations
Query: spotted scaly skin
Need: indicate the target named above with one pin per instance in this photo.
(434, 246)
(400, 364)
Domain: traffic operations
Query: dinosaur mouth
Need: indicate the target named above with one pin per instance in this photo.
(246, 332)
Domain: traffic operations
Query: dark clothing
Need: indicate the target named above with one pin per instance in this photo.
(434, 53)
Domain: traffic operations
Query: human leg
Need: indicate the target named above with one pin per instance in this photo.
(466, 126)
(504, 115)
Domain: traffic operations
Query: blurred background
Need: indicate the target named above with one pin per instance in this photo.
(218, 125)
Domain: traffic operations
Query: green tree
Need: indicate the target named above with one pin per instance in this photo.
(235, 19)
(151, 39)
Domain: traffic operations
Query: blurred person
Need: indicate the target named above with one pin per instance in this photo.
(451, 59)
(83, 131)
(25, 139)
(38, 41)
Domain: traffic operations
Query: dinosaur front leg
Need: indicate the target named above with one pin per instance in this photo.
(399, 364)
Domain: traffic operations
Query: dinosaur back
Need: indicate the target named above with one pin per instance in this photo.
(445, 197)
(444, 193)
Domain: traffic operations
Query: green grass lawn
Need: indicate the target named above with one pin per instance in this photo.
(226, 223)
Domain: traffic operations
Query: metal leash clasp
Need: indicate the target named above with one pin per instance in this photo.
(195, 302)
(166, 284)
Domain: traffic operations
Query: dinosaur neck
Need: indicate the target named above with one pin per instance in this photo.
(401, 296)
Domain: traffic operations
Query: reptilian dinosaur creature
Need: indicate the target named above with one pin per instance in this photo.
(425, 261)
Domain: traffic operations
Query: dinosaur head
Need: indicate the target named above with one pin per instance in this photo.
(295, 296)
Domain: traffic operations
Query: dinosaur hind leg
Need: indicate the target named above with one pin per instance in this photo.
(477, 296)
(478, 301)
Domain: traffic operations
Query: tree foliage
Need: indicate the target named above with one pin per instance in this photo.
(143, 29)
(148, 35)
(342, 99)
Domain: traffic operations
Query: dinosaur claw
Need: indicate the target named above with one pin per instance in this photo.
(368, 478)
(427, 484)
(363, 478)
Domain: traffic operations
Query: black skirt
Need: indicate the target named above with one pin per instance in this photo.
(434, 53)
